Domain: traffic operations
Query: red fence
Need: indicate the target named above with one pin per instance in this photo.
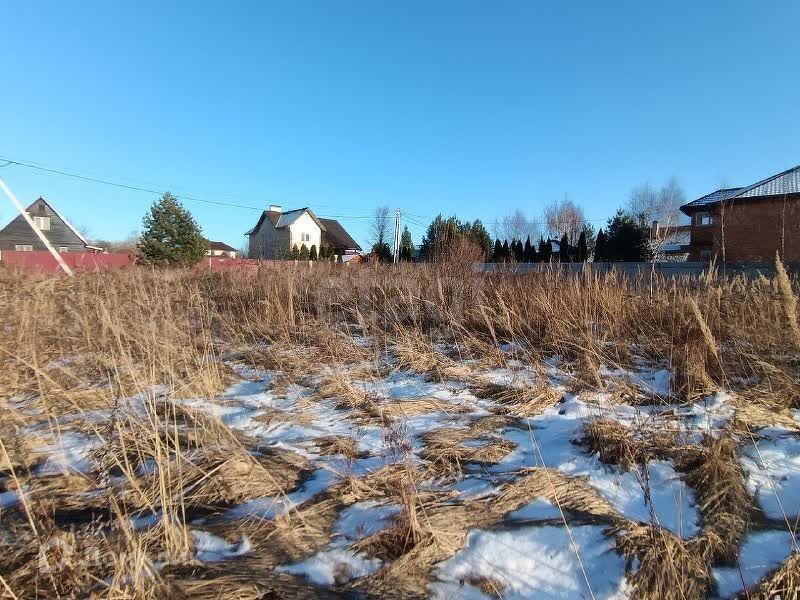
(43, 262)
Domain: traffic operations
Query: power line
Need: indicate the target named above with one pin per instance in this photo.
(137, 188)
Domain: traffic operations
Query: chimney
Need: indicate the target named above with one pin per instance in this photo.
(275, 208)
(654, 230)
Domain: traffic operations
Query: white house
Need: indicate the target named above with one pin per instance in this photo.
(277, 232)
(221, 249)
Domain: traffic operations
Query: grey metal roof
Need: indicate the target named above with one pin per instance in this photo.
(717, 196)
(786, 182)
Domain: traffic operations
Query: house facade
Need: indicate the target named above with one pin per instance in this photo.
(278, 231)
(62, 235)
(749, 223)
(221, 249)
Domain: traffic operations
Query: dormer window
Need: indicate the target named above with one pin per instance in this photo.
(703, 219)
(43, 223)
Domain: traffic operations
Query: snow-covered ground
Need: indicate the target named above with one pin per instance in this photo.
(556, 558)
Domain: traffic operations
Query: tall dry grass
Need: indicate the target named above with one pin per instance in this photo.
(128, 345)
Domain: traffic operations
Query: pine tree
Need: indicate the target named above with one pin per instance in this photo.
(294, 254)
(506, 251)
(563, 248)
(303, 252)
(312, 254)
(583, 250)
(545, 250)
(406, 246)
(170, 234)
(529, 253)
(497, 254)
(600, 247)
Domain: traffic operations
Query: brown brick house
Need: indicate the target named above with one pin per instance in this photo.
(749, 223)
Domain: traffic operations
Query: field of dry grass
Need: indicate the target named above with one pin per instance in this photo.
(398, 432)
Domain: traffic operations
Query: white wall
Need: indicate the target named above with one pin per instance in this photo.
(305, 224)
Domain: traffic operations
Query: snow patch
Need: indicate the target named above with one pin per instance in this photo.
(535, 562)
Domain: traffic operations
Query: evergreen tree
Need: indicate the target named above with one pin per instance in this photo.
(563, 248)
(324, 252)
(303, 253)
(506, 251)
(294, 254)
(312, 254)
(477, 233)
(545, 250)
(383, 252)
(583, 250)
(528, 254)
(497, 254)
(170, 234)
(406, 246)
(439, 237)
(627, 239)
(600, 246)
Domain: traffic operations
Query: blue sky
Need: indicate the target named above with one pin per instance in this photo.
(472, 108)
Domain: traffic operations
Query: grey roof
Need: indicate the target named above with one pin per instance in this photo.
(786, 182)
(335, 236)
(285, 218)
(212, 245)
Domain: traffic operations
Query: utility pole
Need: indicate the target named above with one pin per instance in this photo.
(397, 237)
(38, 232)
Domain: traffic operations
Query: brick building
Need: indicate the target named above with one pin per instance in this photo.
(749, 223)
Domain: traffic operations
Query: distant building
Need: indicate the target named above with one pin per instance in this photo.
(277, 232)
(748, 223)
(670, 243)
(221, 249)
(19, 235)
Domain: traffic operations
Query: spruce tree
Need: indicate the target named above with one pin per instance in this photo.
(506, 251)
(497, 254)
(583, 249)
(303, 252)
(600, 247)
(170, 234)
(545, 250)
(406, 246)
(295, 253)
(529, 253)
(312, 254)
(563, 248)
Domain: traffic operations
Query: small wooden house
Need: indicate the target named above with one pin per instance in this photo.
(62, 235)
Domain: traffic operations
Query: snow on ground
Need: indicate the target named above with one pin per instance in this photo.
(535, 562)
(336, 565)
(210, 548)
(761, 553)
(772, 466)
(525, 560)
(553, 433)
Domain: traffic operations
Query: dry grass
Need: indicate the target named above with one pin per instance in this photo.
(520, 401)
(122, 350)
(713, 471)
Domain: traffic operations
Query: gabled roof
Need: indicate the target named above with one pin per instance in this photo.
(786, 182)
(71, 227)
(283, 219)
(336, 237)
(220, 246)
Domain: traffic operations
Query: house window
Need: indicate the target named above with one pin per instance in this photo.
(705, 254)
(42, 223)
(703, 219)
(305, 237)
(23, 248)
(62, 249)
